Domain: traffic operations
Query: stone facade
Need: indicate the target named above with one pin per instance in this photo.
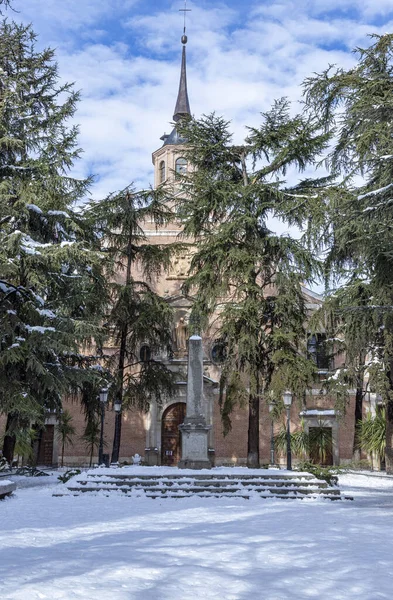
(144, 434)
(148, 434)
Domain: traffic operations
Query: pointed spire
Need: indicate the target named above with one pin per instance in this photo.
(182, 108)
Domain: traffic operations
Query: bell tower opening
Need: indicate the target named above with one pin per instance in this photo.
(168, 160)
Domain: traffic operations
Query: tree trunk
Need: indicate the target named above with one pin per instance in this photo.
(119, 395)
(122, 358)
(253, 432)
(62, 454)
(389, 438)
(358, 418)
(9, 440)
(358, 404)
(389, 426)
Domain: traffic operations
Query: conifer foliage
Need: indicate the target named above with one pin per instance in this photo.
(137, 316)
(250, 274)
(51, 284)
(356, 105)
(4, 4)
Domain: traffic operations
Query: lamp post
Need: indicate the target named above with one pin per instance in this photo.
(103, 401)
(287, 397)
(272, 406)
(116, 441)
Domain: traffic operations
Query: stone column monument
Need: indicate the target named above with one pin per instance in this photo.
(194, 429)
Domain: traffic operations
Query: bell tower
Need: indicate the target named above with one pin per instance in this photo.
(169, 159)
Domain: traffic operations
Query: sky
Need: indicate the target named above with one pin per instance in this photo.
(124, 56)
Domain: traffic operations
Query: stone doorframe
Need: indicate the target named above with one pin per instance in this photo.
(52, 420)
(153, 420)
(314, 417)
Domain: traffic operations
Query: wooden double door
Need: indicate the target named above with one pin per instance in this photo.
(45, 446)
(321, 446)
(170, 434)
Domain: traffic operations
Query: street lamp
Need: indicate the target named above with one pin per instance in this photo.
(103, 401)
(116, 440)
(272, 406)
(287, 397)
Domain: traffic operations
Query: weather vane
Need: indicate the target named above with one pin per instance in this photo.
(184, 10)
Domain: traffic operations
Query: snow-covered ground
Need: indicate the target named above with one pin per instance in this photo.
(94, 547)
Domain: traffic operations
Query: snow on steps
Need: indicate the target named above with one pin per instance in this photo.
(6, 488)
(153, 482)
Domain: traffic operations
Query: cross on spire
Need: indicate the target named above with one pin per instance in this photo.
(185, 10)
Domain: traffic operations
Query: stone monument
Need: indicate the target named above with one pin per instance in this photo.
(194, 452)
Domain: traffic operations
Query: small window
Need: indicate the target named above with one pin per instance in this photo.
(317, 350)
(161, 171)
(219, 352)
(145, 353)
(181, 166)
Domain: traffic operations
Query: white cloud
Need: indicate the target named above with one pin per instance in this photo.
(70, 14)
(238, 62)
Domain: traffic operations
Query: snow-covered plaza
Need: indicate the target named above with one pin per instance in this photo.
(97, 547)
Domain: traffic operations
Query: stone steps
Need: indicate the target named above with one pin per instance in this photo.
(200, 484)
(286, 485)
(201, 491)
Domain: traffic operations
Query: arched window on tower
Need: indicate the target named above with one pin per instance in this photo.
(181, 166)
(145, 353)
(218, 352)
(161, 171)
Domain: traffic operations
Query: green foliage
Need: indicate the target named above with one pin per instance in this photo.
(5, 3)
(91, 437)
(328, 474)
(371, 433)
(65, 431)
(353, 221)
(252, 276)
(24, 439)
(137, 315)
(68, 475)
(356, 218)
(300, 442)
(52, 284)
(320, 440)
(316, 443)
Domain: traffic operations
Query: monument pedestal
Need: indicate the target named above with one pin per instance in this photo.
(195, 448)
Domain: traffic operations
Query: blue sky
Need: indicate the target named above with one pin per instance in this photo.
(124, 55)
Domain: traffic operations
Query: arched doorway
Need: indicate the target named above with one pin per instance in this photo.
(170, 435)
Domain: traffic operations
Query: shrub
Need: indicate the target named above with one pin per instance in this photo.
(328, 474)
(68, 474)
(371, 434)
(299, 442)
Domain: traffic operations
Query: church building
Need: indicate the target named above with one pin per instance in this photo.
(155, 436)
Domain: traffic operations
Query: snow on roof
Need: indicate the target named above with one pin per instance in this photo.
(318, 412)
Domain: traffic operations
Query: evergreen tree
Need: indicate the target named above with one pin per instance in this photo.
(91, 437)
(250, 274)
(356, 105)
(351, 342)
(137, 314)
(52, 288)
(65, 431)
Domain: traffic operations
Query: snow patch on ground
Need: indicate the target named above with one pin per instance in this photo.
(121, 548)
